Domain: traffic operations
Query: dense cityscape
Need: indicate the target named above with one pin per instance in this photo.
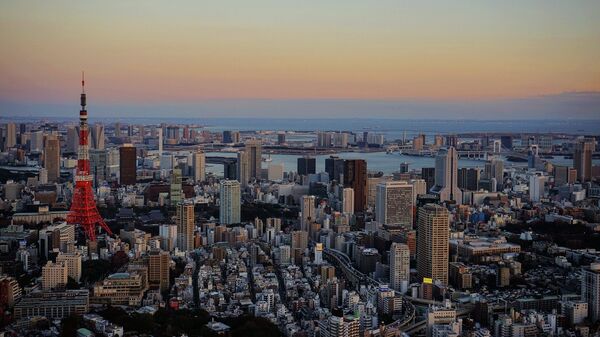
(127, 229)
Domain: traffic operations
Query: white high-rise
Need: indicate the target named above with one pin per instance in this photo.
(394, 203)
(230, 198)
(399, 266)
(348, 200)
(446, 176)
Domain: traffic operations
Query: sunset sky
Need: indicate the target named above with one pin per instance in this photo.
(186, 52)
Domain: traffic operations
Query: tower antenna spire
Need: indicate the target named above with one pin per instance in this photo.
(82, 81)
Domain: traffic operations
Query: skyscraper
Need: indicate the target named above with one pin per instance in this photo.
(432, 243)
(355, 177)
(495, 169)
(198, 166)
(307, 210)
(158, 269)
(307, 165)
(243, 168)
(185, 226)
(590, 289)
(175, 188)
(394, 205)
(468, 178)
(230, 197)
(52, 158)
(446, 176)
(10, 139)
(127, 164)
(254, 152)
(428, 174)
(582, 158)
(72, 143)
(399, 266)
(334, 166)
(348, 200)
(97, 139)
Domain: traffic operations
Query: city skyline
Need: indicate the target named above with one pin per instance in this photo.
(328, 59)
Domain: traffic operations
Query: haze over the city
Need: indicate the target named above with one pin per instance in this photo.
(399, 59)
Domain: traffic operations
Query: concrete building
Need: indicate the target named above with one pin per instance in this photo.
(399, 267)
(158, 269)
(127, 165)
(125, 288)
(54, 275)
(394, 205)
(198, 166)
(348, 200)
(230, 202)
(52, 158)
(446, 176)
(73, 263)
(307, 211)
(582, 158)
(253, 149)
(432, 243)
(590, 289)
(355, 177)
(185, 227)
(53, 305)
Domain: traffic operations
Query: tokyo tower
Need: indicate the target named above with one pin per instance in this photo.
(83, 210)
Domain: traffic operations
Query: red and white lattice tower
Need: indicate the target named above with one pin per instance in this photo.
(83, 207)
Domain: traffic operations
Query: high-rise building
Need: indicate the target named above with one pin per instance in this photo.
(275, 172)
(494, 169)
(582, 158)
(97, 139)
(175, 188)
(10, 138)
(253, 149)
(168, 236)
(199, 166)
(98, 166)
(52, 158)
(564, 175)
(73, 263)
(446, 176)
(428, 174)
(399, 266)
(72, 143)
(185, 226)
(243, 169)
(334, 166)
(468, 178)
(230, 198)
(536, 187)
(590, 290)
(355, 177)
(395, 202)
(433, 243)
(158, 269)
(127, 165)
(231, 136)
(307, 210)
(348, 200)
(54, 275)
(117, 128)
(307, 165)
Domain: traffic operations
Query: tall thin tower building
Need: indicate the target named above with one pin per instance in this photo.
(307, 210)
(185, 226)
(254, 152)
(83, 207)
(432, 243)
(446, 176)
(198, 166)
(399, 266)
(52, 158)
(230, 197)
(590, 289)
(582, 158)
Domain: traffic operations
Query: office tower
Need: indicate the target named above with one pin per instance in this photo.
(419, 188)
(399, 266)
(10, 139)
(281, 138)
(54, 275)
(52, 158)
(428, 174)
(73, 263)
(507, 142)
(340, 139)
(117, 127)
(355, 177)
(582, 158)
(334, 166)
(394, 206)
(72, 139)
(432, 243)
(468, 178)
(564, 175)
(83, 210)
(299, 244)
(536, 187)
(307, 211)
(230, 197)
(275, 172)
(199, 166)
(348, 200)
(243, 168)
(404, 167)
(231, 136)
(97, 139)
(590, 290)
(253, 149)
(175, 188)
(318, 253)
(160, 140)
(36, 143)
(307, 165)
(158, 269)
(172, 134)
(127, 164)
(494, 169)
(452, 140)
(185, 226)
(324, 139)
(446, 172)
(168, 236)
(98, 166)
